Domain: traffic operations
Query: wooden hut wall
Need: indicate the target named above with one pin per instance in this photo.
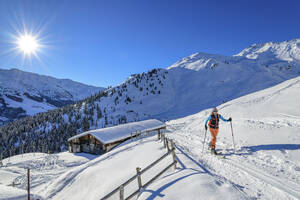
(96, 147)
(76, 148)
(86, 144)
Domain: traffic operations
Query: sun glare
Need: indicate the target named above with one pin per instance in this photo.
(27, 44)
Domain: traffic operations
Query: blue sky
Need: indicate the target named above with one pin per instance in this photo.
(102, 42)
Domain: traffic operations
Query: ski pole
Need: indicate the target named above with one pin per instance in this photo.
(204, 141)
(232, 136)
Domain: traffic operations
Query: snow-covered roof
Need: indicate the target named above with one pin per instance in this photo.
(116, 133)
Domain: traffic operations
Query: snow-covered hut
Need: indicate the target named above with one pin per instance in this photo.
(102, 140)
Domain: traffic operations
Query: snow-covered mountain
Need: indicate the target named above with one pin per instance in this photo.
(265, 164)
(23, 93)
(205, 80)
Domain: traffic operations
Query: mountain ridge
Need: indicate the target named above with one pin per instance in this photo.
(288, 50)
(26, 93)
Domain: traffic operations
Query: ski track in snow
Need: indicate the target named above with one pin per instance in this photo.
(259, 175)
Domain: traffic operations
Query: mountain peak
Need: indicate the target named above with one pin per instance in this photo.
(285, 51)
(198, 61)
(269, 53)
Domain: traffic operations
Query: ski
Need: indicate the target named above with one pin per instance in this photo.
(220, 155)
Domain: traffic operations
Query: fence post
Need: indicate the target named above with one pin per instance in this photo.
(139, 179)
(9, 155)
(28, 183)
(1, 164)
(173, 153)
(121, 192)
(158, 134)
(165, 142)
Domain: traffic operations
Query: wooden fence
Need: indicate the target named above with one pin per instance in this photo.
(139, 172)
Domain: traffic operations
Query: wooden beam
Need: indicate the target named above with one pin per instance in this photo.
(158, 134)
(167, 143)
(139, 179)
(1, 156)
(28, 183)
(121, 192)
(173, 153)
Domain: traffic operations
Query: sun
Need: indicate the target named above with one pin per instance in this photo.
(28, 44)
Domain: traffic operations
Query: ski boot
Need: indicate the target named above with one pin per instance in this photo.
(213, 151)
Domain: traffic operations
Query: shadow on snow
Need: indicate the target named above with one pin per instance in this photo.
(272, 147)
(157, 193)
(248, 150)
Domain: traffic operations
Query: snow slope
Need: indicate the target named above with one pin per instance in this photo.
(62, 179)
(264, 165)
(23, 93)
(266, 124)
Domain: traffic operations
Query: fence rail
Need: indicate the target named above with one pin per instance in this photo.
(121, 188)
(153, 179)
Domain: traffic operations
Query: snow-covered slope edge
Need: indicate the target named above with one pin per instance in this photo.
(23, 93)
(266, 124)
